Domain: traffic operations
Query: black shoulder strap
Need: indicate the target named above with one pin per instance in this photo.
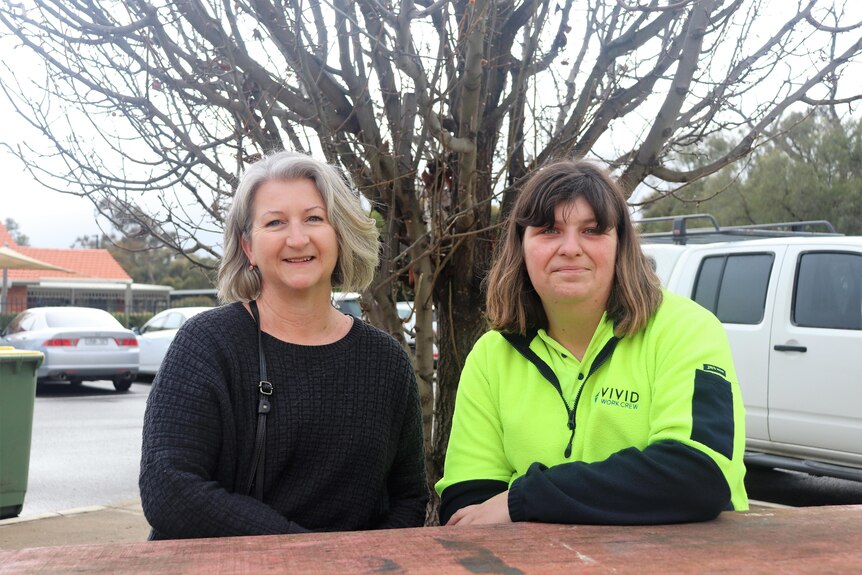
(255, 480)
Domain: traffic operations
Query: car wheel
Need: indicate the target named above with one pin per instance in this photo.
(122, 383)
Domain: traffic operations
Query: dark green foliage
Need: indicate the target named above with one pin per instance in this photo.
(810, 170)
(149, 262)
(14, 229)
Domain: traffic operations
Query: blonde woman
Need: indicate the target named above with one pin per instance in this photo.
(277, 413)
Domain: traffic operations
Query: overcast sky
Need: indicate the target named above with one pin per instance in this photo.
(50, 219)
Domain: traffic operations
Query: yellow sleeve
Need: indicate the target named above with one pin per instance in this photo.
(476, 442)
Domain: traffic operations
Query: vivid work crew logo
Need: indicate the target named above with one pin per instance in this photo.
(615, 397)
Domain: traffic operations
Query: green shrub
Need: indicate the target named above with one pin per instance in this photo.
(136, 319)
(5, 319)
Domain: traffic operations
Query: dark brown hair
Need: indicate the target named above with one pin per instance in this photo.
(512, 303)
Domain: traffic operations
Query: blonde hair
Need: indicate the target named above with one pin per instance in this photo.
(512, 303)
(358, 239)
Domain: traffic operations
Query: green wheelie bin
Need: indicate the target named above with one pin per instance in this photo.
(17, 396)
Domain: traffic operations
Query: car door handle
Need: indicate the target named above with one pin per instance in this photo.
(799, 348)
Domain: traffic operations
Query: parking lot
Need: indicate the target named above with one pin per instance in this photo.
(86, 446)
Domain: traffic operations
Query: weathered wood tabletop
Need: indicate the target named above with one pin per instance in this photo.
(798, 540)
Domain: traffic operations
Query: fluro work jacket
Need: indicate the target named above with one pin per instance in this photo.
(648, 428)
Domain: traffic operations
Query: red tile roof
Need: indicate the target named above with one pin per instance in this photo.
(6, 238)
(86, 264)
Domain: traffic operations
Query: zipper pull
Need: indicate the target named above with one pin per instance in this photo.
(568, 452)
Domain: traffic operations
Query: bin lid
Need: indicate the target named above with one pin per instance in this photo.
(15, 353)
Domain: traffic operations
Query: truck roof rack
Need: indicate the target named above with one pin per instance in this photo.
(681, 234)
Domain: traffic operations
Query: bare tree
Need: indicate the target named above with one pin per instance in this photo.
(437, 108)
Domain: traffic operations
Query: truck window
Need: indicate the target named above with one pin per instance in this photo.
(828, 290)
(733, 287)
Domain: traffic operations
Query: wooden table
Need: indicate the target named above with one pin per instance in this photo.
(800, 540)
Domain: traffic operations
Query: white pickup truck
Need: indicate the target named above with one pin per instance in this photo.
(792, 308)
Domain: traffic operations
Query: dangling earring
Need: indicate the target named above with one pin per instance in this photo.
(251, 267)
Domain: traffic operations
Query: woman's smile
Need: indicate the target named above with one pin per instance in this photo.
(292, 241)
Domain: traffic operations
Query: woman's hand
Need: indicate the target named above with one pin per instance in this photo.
(494, 510)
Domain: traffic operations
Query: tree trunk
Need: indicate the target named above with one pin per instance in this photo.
(460, 321)
(460, 299)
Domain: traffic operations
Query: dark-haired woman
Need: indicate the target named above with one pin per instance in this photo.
(597, 398)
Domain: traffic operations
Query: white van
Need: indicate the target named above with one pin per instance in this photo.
(792, 308)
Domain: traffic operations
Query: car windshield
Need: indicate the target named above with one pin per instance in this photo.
(348, 303)
(81, 317)
(351, 307)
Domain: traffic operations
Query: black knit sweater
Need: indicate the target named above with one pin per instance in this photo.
(344, 447)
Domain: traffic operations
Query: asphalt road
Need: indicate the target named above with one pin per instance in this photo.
(86, 446)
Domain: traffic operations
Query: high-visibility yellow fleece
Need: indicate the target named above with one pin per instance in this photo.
(648, 428)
